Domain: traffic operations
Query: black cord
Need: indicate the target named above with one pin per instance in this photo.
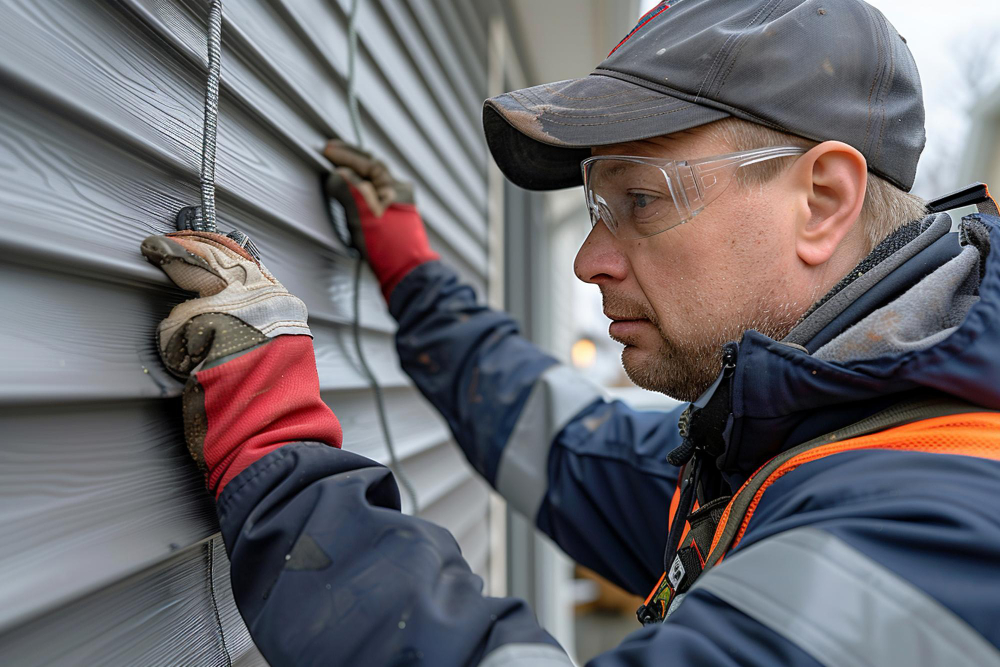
(377, 389)
(338, 219)
(215, 602)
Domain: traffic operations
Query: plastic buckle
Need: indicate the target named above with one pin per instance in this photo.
(654, 609)
(977, 194)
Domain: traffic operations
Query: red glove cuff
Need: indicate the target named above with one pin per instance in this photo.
(396, 242)
(260, 401)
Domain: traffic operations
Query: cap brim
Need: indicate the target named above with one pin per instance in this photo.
(539, 135)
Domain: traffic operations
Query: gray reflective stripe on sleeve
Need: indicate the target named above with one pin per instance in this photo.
(559, 394)
(526, 655)
(841, 607)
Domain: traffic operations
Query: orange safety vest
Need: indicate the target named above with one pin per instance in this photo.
(712, 530)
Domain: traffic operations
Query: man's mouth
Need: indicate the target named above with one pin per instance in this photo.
(625, 317)
(624, 330)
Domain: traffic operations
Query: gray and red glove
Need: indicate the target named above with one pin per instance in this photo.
(384, 222)
(245, 349)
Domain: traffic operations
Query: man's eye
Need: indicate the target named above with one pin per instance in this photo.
(646, 206)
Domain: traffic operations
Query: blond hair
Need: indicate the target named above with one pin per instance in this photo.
(886, 207)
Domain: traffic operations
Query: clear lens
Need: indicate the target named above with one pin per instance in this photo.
(638, 197)
(633, 199)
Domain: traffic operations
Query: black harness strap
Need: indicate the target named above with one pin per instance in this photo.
(694, 558)
(977, 194)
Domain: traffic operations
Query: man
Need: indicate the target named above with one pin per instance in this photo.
(746, 165)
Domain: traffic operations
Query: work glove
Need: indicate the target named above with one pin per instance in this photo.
(383, 220)
(245, 349)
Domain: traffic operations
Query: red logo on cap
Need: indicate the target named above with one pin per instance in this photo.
(646, 18)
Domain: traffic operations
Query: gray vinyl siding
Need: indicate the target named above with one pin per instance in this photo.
(110, 553)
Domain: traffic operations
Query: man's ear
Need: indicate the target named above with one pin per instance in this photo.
(831, 180)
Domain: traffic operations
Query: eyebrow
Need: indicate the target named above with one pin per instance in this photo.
(614, 170)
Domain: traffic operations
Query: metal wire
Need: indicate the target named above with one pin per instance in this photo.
(352, 105)
(206, 222)
(210, 129)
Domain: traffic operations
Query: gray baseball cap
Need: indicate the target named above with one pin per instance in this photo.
(820, 69)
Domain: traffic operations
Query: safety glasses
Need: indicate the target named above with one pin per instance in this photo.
(638, 197)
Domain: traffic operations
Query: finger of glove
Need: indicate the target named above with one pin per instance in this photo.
(380, 176)
(199, 242)
(187, 270)
(378, 198)
(388, 195)
(203, 262)
(371, 196)
(357, 150)
(363, 167)
(345, 155)
(361, 163)
(370, 201)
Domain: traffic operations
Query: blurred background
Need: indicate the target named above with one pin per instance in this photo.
(111, 553)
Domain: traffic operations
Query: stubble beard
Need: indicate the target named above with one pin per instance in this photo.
(685, 364)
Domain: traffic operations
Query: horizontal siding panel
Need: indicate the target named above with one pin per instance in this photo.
(105, 516)
(324, 32)
(396, 137)
(164, 616)
(99, 342)
(414, 424)
(420, 52)
(467, 44)
(465, 87)
(460, 509)
(304, 76)
(91, 493)
(83, 48)
(465, 159)
(437, 471)
(462, 513)
(80, 195)
(475, 545)
(447, 53)
(474, 23)
(256, 168)
(82, 511)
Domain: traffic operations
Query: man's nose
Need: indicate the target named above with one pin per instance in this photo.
(600, 260)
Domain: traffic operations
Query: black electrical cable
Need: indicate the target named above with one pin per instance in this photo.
(352, 105)
(377, 390)
(215, 603)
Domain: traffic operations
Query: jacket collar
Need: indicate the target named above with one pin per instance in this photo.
(776, 395)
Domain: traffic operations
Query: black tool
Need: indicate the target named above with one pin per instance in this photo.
(190, 218)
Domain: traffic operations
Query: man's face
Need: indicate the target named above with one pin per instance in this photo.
(676, 297)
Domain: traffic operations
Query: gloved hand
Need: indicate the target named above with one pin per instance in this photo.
(384, 222)
(245, 348)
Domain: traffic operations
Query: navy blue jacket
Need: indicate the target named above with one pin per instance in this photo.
(869, 557)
